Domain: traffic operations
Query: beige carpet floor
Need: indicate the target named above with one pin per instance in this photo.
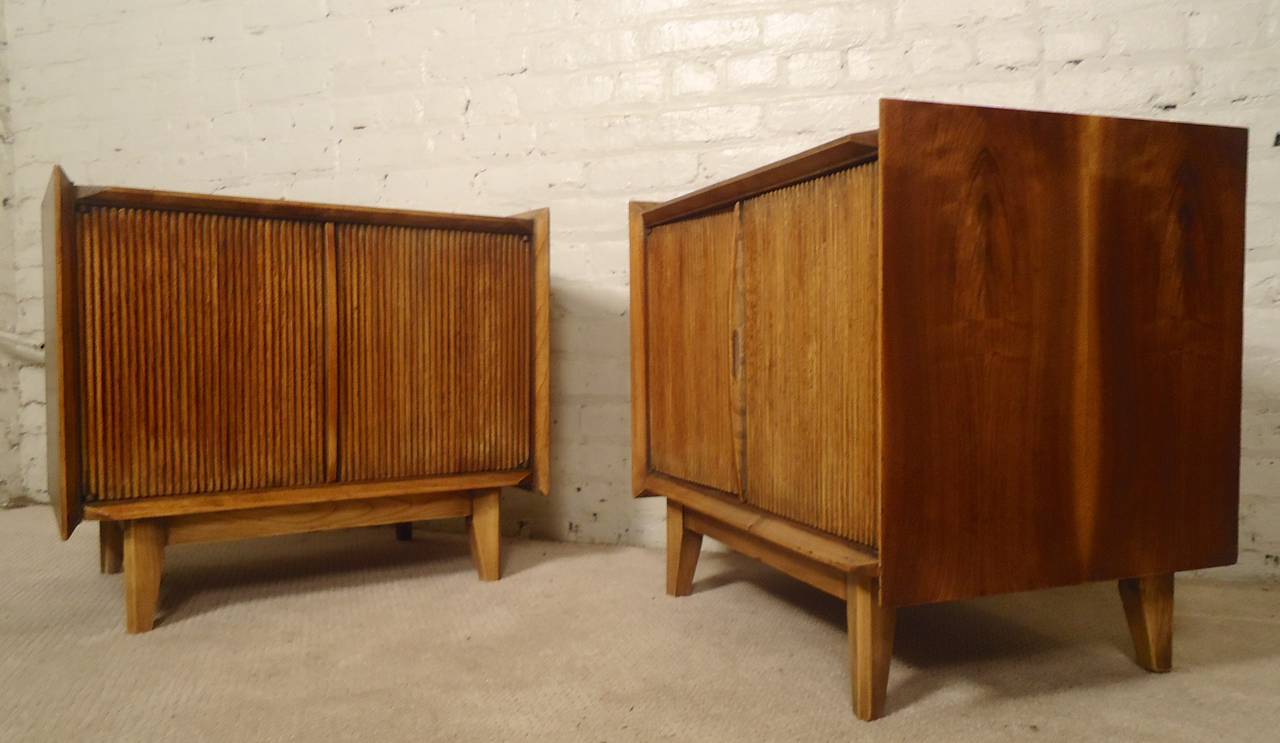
(353, 636)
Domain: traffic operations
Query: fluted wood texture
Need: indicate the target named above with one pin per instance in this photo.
(202, 346)
(811, 263)
(690, 276)
(435, 349)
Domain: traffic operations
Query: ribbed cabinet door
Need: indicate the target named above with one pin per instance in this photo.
(692, 307)
(203, 352)
(811, 264)
(435, 351)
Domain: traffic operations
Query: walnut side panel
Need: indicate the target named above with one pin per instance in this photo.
(812, 290)
(203, 351)
(690, 295)
(1062, 346)
(540, 481)
(436, 351)
(639, 349)
(63, 406)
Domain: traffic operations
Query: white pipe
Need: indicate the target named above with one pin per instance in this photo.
(23, 349)
(17, 340)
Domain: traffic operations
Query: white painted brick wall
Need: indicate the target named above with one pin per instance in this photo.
(11, 413)
(499, 106)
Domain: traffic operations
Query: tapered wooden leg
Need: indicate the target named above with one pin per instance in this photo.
(110, 547)
(482, 524)
(1148, 606)
(683, 548)
(870, 646)
(143, 565)
(404, 532)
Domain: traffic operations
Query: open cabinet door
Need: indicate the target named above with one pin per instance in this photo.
(685, 329)
(62, 377)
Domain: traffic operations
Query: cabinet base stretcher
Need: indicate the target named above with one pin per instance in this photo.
(848, 572)
(136, 545)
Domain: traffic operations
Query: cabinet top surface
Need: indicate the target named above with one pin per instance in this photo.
(842, 152)
(114, 196)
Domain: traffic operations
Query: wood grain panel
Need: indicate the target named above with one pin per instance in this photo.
(838, 154)
(178, 505)
(845, 556)
(1062, 344)
(812, 284)
(540, 463)
(241, 206)
(639, 347)
(435, 335)
(823, 577)
(690, 280)
(267, 522)
(62, 333)
(203, 352)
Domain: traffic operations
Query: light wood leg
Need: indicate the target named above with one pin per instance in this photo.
(143, 565)
(870, 646)
(1148, 606)
(404, 532)
(482, 524)
(110, 547)
(683, 548)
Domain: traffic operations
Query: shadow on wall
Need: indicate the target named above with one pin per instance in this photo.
(591, 498)
(1259, 456)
